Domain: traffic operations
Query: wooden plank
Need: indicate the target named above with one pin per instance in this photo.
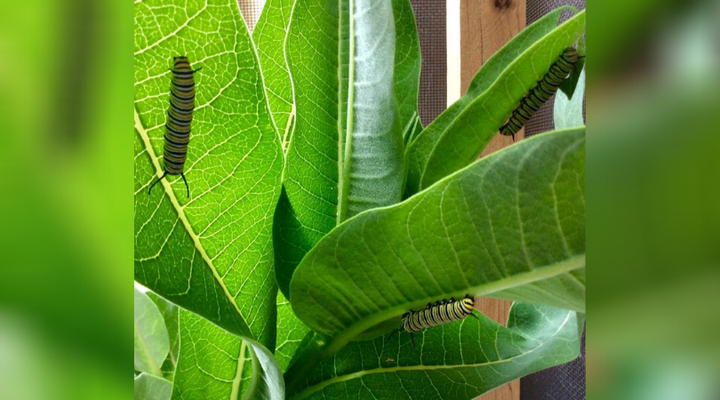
(485, 26)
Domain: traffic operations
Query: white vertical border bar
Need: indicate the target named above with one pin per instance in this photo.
(453, 50)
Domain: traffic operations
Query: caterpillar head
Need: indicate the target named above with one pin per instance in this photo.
(180, 61)
(468, 302)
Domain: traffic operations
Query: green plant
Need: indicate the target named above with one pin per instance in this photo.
(311, 173)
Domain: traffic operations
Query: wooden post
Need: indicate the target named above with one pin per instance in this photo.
(485, 26)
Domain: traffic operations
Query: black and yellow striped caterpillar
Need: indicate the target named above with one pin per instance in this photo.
(177, 128)
(538, 95)
(441, 312)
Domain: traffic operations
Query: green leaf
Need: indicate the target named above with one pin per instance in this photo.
(568, 113)
(459, 360)
(290, 333)
(511, 225)
(210, 253)
(344, 59)
(169, 312)
(151, 336)
(363, 160)
(455, 139)
(215, 364)
(269, 37)
(150, 387)
(407, 61)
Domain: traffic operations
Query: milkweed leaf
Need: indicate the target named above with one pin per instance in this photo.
(511, 226)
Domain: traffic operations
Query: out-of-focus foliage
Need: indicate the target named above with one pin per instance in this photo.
(65, 303)
(654, 227)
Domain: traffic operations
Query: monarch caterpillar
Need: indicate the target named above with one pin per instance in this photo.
(538, 95)
(441, 312)
(177, 128)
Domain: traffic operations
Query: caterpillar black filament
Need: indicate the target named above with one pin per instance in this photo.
(439, 313)
(177, 128)
(545, 88)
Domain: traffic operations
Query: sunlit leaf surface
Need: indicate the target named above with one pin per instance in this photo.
(212, 252)
(215, 364)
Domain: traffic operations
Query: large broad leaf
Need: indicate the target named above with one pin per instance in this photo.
(215, 364)
(512, 225)
(210, 253)
(459, 360)
(349, 61)
(269, 37)
(456, 138)
(151, 336)
(150, 387)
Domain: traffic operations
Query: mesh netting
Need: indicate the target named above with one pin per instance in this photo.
(250, 10)
(567, 381)
(430, 17)
(564, 382)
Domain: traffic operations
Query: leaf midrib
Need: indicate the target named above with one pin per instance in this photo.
(342, 378)
(181, 215)
(238, 374)
(344, 155)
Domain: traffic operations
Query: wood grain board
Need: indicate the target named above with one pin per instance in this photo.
(485, 26)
